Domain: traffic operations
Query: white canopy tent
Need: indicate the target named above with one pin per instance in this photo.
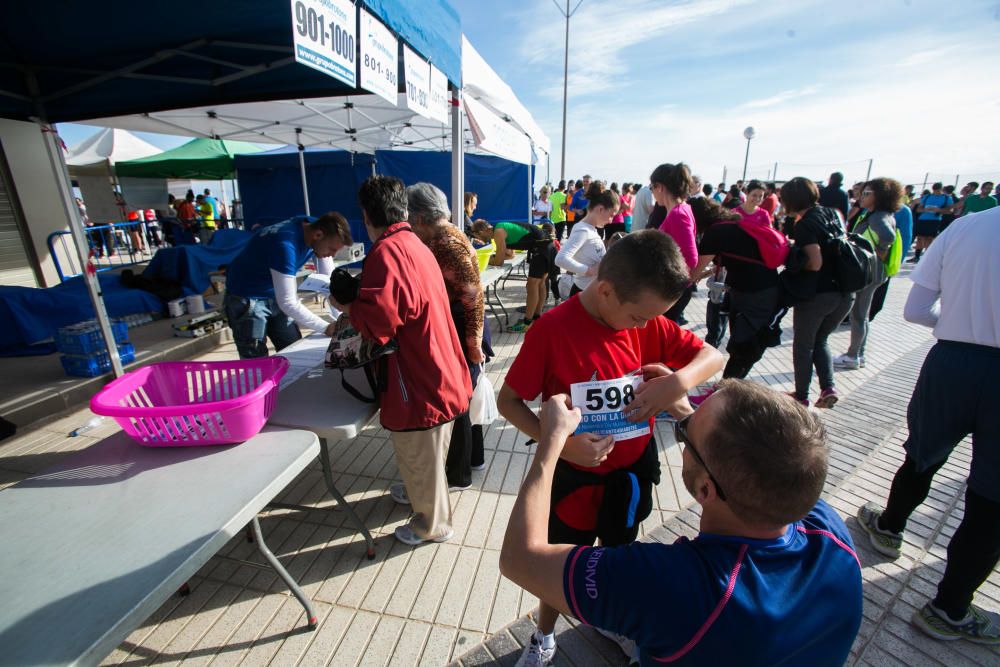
(90, 165)
(109, 146)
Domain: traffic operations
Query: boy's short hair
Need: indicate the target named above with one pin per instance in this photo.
(334, 224)
(645, 260)
(770, 450)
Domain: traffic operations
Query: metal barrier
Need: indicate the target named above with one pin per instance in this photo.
(110, 247)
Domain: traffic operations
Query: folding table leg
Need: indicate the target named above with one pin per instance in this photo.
(283, 573)
(328, 476)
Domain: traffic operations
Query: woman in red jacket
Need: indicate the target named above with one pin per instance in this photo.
(402, 296)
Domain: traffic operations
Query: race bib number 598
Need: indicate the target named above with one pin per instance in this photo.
(604, 404)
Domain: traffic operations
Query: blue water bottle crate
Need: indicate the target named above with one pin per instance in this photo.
(85, 338)
(97, 363)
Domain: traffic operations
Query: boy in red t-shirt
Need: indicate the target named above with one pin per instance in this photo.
(622, 362)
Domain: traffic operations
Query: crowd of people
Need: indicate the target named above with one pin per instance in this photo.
(773, 575)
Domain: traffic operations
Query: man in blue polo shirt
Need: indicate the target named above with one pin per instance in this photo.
(261, 301)
(771, 578)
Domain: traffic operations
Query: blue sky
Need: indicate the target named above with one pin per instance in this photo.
(912, 84)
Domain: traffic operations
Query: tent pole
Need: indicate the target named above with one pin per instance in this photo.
(58, 163)
(302, 167)
(457, 160)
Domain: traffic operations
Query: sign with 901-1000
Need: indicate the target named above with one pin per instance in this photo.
(324, 33)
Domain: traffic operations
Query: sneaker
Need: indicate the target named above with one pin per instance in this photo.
(803, 401)
(883, 541)
(458, 487)
(628, 647)
(406, 535)
(520, 327)
(478, 466)
(398, 493)
(979, 626)
(534, 655)
(847, 362)
(827, 398)
(696, 401)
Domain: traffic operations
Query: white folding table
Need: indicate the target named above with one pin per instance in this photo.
(93, 546)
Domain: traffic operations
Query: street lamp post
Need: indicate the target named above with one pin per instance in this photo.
(748, 134)
(568, 14)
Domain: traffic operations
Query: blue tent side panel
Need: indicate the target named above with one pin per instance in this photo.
(501, 185)
(271, 185)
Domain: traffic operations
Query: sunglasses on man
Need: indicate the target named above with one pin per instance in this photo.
(681, 435)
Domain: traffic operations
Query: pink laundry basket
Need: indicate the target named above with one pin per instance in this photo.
(176, 404)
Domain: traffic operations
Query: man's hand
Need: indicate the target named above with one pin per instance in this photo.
(330, 329)
(559, 418)
(587, 449)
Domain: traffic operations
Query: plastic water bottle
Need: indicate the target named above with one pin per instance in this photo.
(89, 426)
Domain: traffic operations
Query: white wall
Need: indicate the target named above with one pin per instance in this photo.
(37, 189)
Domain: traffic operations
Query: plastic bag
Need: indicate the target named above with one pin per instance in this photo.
(483, 408)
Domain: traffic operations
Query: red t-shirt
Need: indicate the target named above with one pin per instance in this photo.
(770, 204)
(567, 345)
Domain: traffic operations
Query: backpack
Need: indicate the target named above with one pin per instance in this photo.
(854, 260)
(771, 244)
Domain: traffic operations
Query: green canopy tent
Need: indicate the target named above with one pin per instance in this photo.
(204, 159)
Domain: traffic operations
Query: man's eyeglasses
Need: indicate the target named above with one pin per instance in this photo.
(681, 435)
(865, 193)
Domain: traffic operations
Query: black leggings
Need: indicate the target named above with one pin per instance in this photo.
(974, 549)
(676, 311)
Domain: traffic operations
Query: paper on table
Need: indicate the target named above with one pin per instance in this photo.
(316, 282)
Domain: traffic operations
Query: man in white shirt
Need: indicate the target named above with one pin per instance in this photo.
(955, 396)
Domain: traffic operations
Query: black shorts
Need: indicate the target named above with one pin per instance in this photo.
(926, 227)
(538, 263)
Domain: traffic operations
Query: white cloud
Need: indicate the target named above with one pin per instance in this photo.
(926, 56)
(780, 98)
(599, 35)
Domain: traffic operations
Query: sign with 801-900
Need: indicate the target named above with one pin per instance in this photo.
(324, 33)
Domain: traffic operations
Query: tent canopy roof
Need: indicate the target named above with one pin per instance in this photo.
(111, 145)
(208, 159)
(139, 57)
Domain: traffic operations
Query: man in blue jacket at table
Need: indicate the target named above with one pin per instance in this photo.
(261, 288)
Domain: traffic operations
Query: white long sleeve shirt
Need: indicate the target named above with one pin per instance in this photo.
(286, 294)
(582, 250)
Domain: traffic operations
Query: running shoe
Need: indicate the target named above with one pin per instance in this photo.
(979, 626)
(406, 535)
(534, 654)
(803, 401)
(398, 493)
(479, 466)
(883, 541)
(520, 327)
(847, 362)
(696, 401)
(827, 398)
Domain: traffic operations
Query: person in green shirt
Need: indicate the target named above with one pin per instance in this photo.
(981, 202)
(558, 214)
(207, 219)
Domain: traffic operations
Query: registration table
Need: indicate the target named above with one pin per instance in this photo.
(93, 546)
